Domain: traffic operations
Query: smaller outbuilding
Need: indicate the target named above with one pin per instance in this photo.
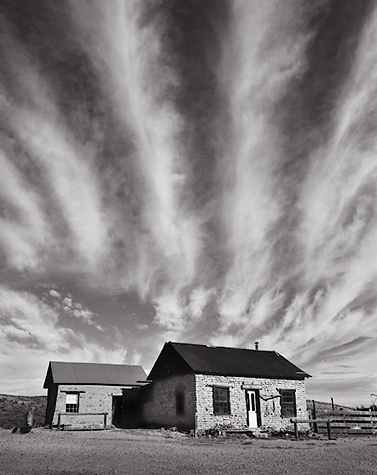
(202, 387)
(93, 395)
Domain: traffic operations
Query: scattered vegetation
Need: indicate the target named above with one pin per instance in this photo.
(13, 410)
(218, 429)
(326, 406)
(372, 407)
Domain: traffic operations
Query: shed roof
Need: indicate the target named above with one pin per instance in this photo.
(60, 372)
(218, 360)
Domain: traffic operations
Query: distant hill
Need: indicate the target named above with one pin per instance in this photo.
(321, 406)
(13, 410)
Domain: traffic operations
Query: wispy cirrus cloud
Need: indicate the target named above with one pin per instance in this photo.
(137, 80)
(49, 176)
(216, 161)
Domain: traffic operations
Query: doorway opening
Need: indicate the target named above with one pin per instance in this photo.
(117, 411)
(253, 408)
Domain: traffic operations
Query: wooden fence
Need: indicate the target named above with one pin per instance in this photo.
(340, 422)
(348, 422)
(335, 423)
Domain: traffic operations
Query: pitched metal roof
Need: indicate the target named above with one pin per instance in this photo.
(203, 359)
(60, 372)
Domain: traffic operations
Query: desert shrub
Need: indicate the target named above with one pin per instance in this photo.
(218, 430)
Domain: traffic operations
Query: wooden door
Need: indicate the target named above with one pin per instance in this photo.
(252, 408)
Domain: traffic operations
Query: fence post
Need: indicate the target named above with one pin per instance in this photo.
(315, 426)
(345, 423)
(328, 429)
(371, 418)
(296, 429)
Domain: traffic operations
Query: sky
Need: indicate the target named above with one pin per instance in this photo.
(200, 171)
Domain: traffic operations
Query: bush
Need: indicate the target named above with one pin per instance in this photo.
(218, 430)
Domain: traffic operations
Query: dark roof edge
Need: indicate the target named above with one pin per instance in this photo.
(48, 378)
(97, 364)
(224, 347)
(134, 385)
(168, 346)
(298, 377)
(304, 373)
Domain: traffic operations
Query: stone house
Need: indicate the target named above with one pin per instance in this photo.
(91, 395)
(202, 387)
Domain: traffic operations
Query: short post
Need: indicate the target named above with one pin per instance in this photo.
(328, 429)
(315, 426)
(30, 417)
(296, 429)
(371, 418)
(104, 420)
(59, 421)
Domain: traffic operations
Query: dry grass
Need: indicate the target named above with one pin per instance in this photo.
(13, 410)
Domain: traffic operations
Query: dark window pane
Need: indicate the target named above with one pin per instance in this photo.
(288, 403)
(179, 402)
(221, 401)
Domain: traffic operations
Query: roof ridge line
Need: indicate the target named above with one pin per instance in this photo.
(92, 363)
(225, 347)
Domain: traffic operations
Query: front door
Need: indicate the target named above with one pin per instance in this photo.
(117, 411)
(252, 408)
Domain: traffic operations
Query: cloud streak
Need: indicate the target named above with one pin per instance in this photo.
(27, 324)
(216, 161)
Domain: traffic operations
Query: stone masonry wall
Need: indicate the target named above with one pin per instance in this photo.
(270, 409)
(159, 407)
(92, 399)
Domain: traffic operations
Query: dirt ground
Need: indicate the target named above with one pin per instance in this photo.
(53, 452)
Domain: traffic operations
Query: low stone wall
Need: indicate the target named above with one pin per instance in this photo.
(83, 421)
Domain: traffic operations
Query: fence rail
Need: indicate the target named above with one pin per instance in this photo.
(351, 422)
(341, 423)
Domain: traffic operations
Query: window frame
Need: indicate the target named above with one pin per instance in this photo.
(221, 404)
(72, 408)
(288, 403)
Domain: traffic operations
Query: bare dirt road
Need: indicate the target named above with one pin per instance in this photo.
(45, 451)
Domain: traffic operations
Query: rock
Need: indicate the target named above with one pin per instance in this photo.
(258, 434)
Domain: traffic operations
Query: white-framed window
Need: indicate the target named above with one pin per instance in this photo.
(72, 402)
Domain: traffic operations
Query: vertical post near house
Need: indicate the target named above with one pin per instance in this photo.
(314, 415)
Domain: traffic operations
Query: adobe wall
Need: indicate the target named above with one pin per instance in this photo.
(270, 410)
(159, 406)
(93, 399)
(51, 401)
